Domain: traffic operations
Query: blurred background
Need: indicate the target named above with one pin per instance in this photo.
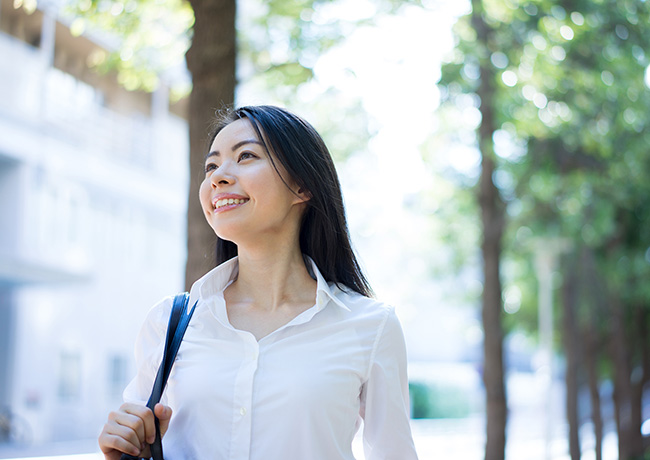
(495, 161)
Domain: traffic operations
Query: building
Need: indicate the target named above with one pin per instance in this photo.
(93, 192)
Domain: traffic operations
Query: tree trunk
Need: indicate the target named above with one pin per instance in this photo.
(591, 361)
(622, 385)
(492, 218)
(638, 379)
(645, 356)
(572, 352)
(592, 340)
(493, 374)
(211, 61)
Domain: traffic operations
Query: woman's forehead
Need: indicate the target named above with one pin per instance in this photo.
(234, 133)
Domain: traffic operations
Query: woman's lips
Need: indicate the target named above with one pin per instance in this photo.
(223, 203)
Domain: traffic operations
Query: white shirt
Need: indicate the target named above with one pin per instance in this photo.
(298, 394)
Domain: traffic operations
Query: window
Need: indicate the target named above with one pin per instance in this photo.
(117, 365)
(70, 376)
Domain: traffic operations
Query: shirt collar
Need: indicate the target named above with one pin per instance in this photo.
(217, 279)
(324, 291)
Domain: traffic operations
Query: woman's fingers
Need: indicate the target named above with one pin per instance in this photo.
(130, 426)
(128, 430)
(145, 426)
(116, 438)
(131, 429)
(164, 414)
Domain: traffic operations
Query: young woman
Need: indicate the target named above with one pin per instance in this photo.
(286, 353)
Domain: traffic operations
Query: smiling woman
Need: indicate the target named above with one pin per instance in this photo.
(240, 176)
(286, 351)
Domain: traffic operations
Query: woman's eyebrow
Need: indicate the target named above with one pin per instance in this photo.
(244, 142)
(216, 153)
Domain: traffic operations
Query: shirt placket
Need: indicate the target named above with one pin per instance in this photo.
(243, 397)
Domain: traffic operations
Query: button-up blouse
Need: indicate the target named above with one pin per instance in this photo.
(299, 393)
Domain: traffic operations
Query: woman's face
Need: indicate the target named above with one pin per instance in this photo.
(242, 194)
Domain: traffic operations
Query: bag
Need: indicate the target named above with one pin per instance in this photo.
(178, 321)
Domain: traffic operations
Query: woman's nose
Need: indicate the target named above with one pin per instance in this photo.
(222, 176)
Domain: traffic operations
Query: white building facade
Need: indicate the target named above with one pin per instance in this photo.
(93, 191)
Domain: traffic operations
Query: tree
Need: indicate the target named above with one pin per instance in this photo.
(479, 77)
(573, 183)
(211, 59)
(578, 94)
(148, 34)
(493, 221)
(570, 132)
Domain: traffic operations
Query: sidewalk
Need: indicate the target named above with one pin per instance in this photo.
(77, 450)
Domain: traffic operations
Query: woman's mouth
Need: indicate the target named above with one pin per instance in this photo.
(226, 203)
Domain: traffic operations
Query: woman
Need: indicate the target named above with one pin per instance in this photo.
(286, 352)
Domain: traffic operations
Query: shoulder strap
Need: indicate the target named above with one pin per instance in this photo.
(178, 322)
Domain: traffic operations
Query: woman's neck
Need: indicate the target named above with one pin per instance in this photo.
(272, 279)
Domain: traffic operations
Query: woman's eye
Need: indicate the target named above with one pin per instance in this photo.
(210, 167)
(246, 155)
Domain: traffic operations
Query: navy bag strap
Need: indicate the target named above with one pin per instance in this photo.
(178, 321)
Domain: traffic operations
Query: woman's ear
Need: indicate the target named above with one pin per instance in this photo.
(303, 195)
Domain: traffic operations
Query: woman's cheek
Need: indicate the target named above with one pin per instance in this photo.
(204, 198)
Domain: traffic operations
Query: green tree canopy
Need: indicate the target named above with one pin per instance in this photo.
(571, 144)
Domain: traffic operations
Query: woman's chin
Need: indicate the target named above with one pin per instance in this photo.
(227, 232)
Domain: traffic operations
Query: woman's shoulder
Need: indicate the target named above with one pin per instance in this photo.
(376, 321)
(155, 323)
(359, 304)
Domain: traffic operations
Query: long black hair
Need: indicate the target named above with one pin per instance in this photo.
(302, 152)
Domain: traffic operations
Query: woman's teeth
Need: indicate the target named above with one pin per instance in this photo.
(227, 201)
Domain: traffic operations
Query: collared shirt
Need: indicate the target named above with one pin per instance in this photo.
(299, 393)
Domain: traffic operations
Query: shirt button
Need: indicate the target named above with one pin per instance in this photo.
(242, 411)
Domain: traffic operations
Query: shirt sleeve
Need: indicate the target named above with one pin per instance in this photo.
(385, 404)
(149, 346)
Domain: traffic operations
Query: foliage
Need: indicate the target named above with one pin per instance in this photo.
(573, 129)
(279, 44)
(279, 39)
(578, 104)
(146, 38)
(438, 401)
(572, 156)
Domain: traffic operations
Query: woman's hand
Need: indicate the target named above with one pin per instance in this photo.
(131, 429)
